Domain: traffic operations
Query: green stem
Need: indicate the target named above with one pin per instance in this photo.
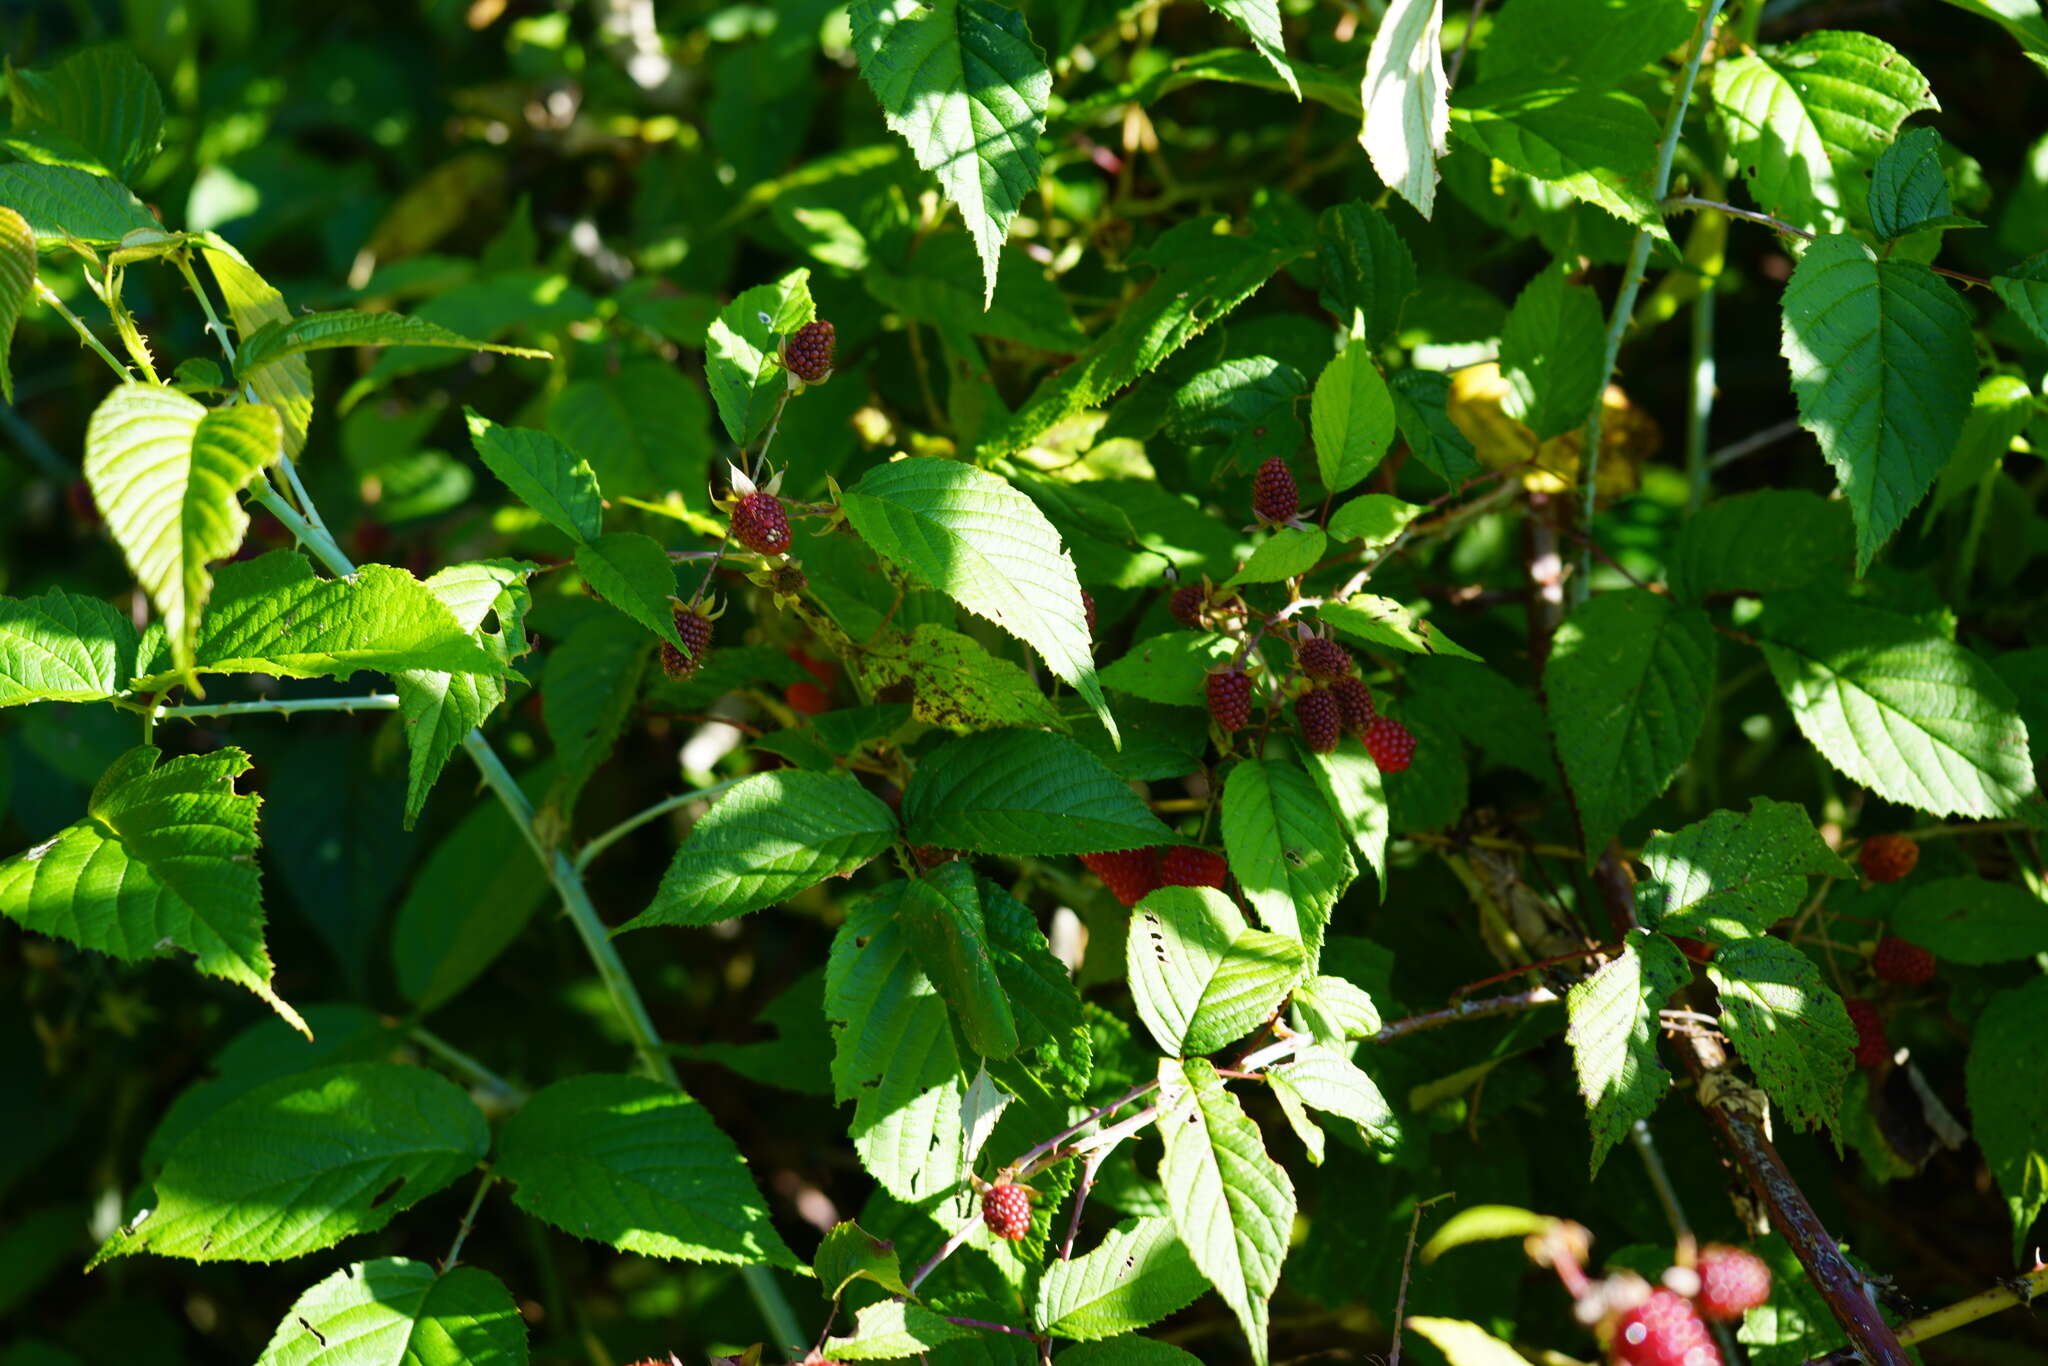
(49, 296)
(315, 539)
(213, 322)
(476, 1202)
(280, 706)
(511, 1095)
(1701, 406)
(1631, 285)
(599, 843)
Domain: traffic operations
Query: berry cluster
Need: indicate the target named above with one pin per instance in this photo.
(694, 626)
(1230, 698)
(807, 352)
(1187, 604)
(760, 524)
(1006, 1209)
(1664, 1330)
(1322, 724)
(1274, 496)
(1130, 874)
(1897, 960)
(1732, 1282)
(1668, 1326)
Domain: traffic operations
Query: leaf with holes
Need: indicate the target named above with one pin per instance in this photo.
(1201, 977)
(1290, 859)
(1613, 1029)
(1735, 874)
(1787, 1024)
(1137, 1275)
(392, 1312)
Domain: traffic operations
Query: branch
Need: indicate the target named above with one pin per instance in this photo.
(279, 706)
(2020, 1291)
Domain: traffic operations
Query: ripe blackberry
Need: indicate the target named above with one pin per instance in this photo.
(1187, 603)
(1185, 865)
(1128, 873)
(1354, 704)
(1732, 1282)
(1872, 1048)
(807, 352)
(1887, 858)
(1391, 744)
(1322, 726)
(760, 524)
(695, 629)
(1321, 657)
(1230, 698)
(1664, 1330)
(1006, 1209)
(1274, 497)
(1898, 960)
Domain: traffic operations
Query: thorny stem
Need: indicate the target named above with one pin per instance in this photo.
(2020, 1291)
(213, 323)
(280, 706)
(1407, 1265)
(49, 296)
(483, 1076)
(476, 1202)
(1631, 285)
(1090, 1165)
(1780, 226)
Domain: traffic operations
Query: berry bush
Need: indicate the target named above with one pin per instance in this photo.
(1023, 682)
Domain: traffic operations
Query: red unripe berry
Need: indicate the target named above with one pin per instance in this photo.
(820, 669)
(760, 524)
(1897, 960)
(1230, 698)
(1186, 605)
(1321, 657)
(1128, 873)
(1732, 1282)
(808, 351)
(1274, 497)
(807, 698)
(1887, 858)
(1354, 704)
(1321, 724)
(1391, 744)
(1872, 1048)
(1664, 1330)
(1006, 1209)
(695, 629)
(1188, 866)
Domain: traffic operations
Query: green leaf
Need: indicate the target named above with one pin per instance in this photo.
(1232, 1205)
(1290, 859)
(1289, 552)
(892, 1329)
(769, 837)
(1050, 1022)
(1462, 1343)
(1407, 101)
(643, 428)
(17, 286)
(60, 203)
(1373, 518)
(1907, 187)
(1627, 687)
(100, 101)
(849, 1253)
(1170, 668)
(1483, 1223)
(893, 1054)
(165, 859)
(1024, 792)
(1551, 355)
(543, 473)
(347, 327)
(1350, 782)
(1883, 367)
(273, 615)
(1203, 275)
(1326, 1079)
(941, 917)
(165, 472)
(2019, 18)
(963, 84)
(968, 534)
(1735, 874)
(1337, 1011)
(63, 647)
(1386, 623)
(1595, 43)
(1352, 417)
(1790, 1028)
(1768, 541)
(392, 1312)
(1970, 920)
(1200, 977)
(1421, 399)
(2008, 1104)
(470, 899)
(955, 682)
(286, 385)
(1260, 19)
(1247, 403)
(640, 1166)
(634, 574)
(587, 694)
(441, 708)
(305, 1161)
(1999, 412)
(1806, 121)
(1595, 144)
(941, 284)
(741, 361)
(1899, 708)
(1126, 1351)
(1137, 1275)
(1367, 272)
(2024, 289)
(1613, 1028)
